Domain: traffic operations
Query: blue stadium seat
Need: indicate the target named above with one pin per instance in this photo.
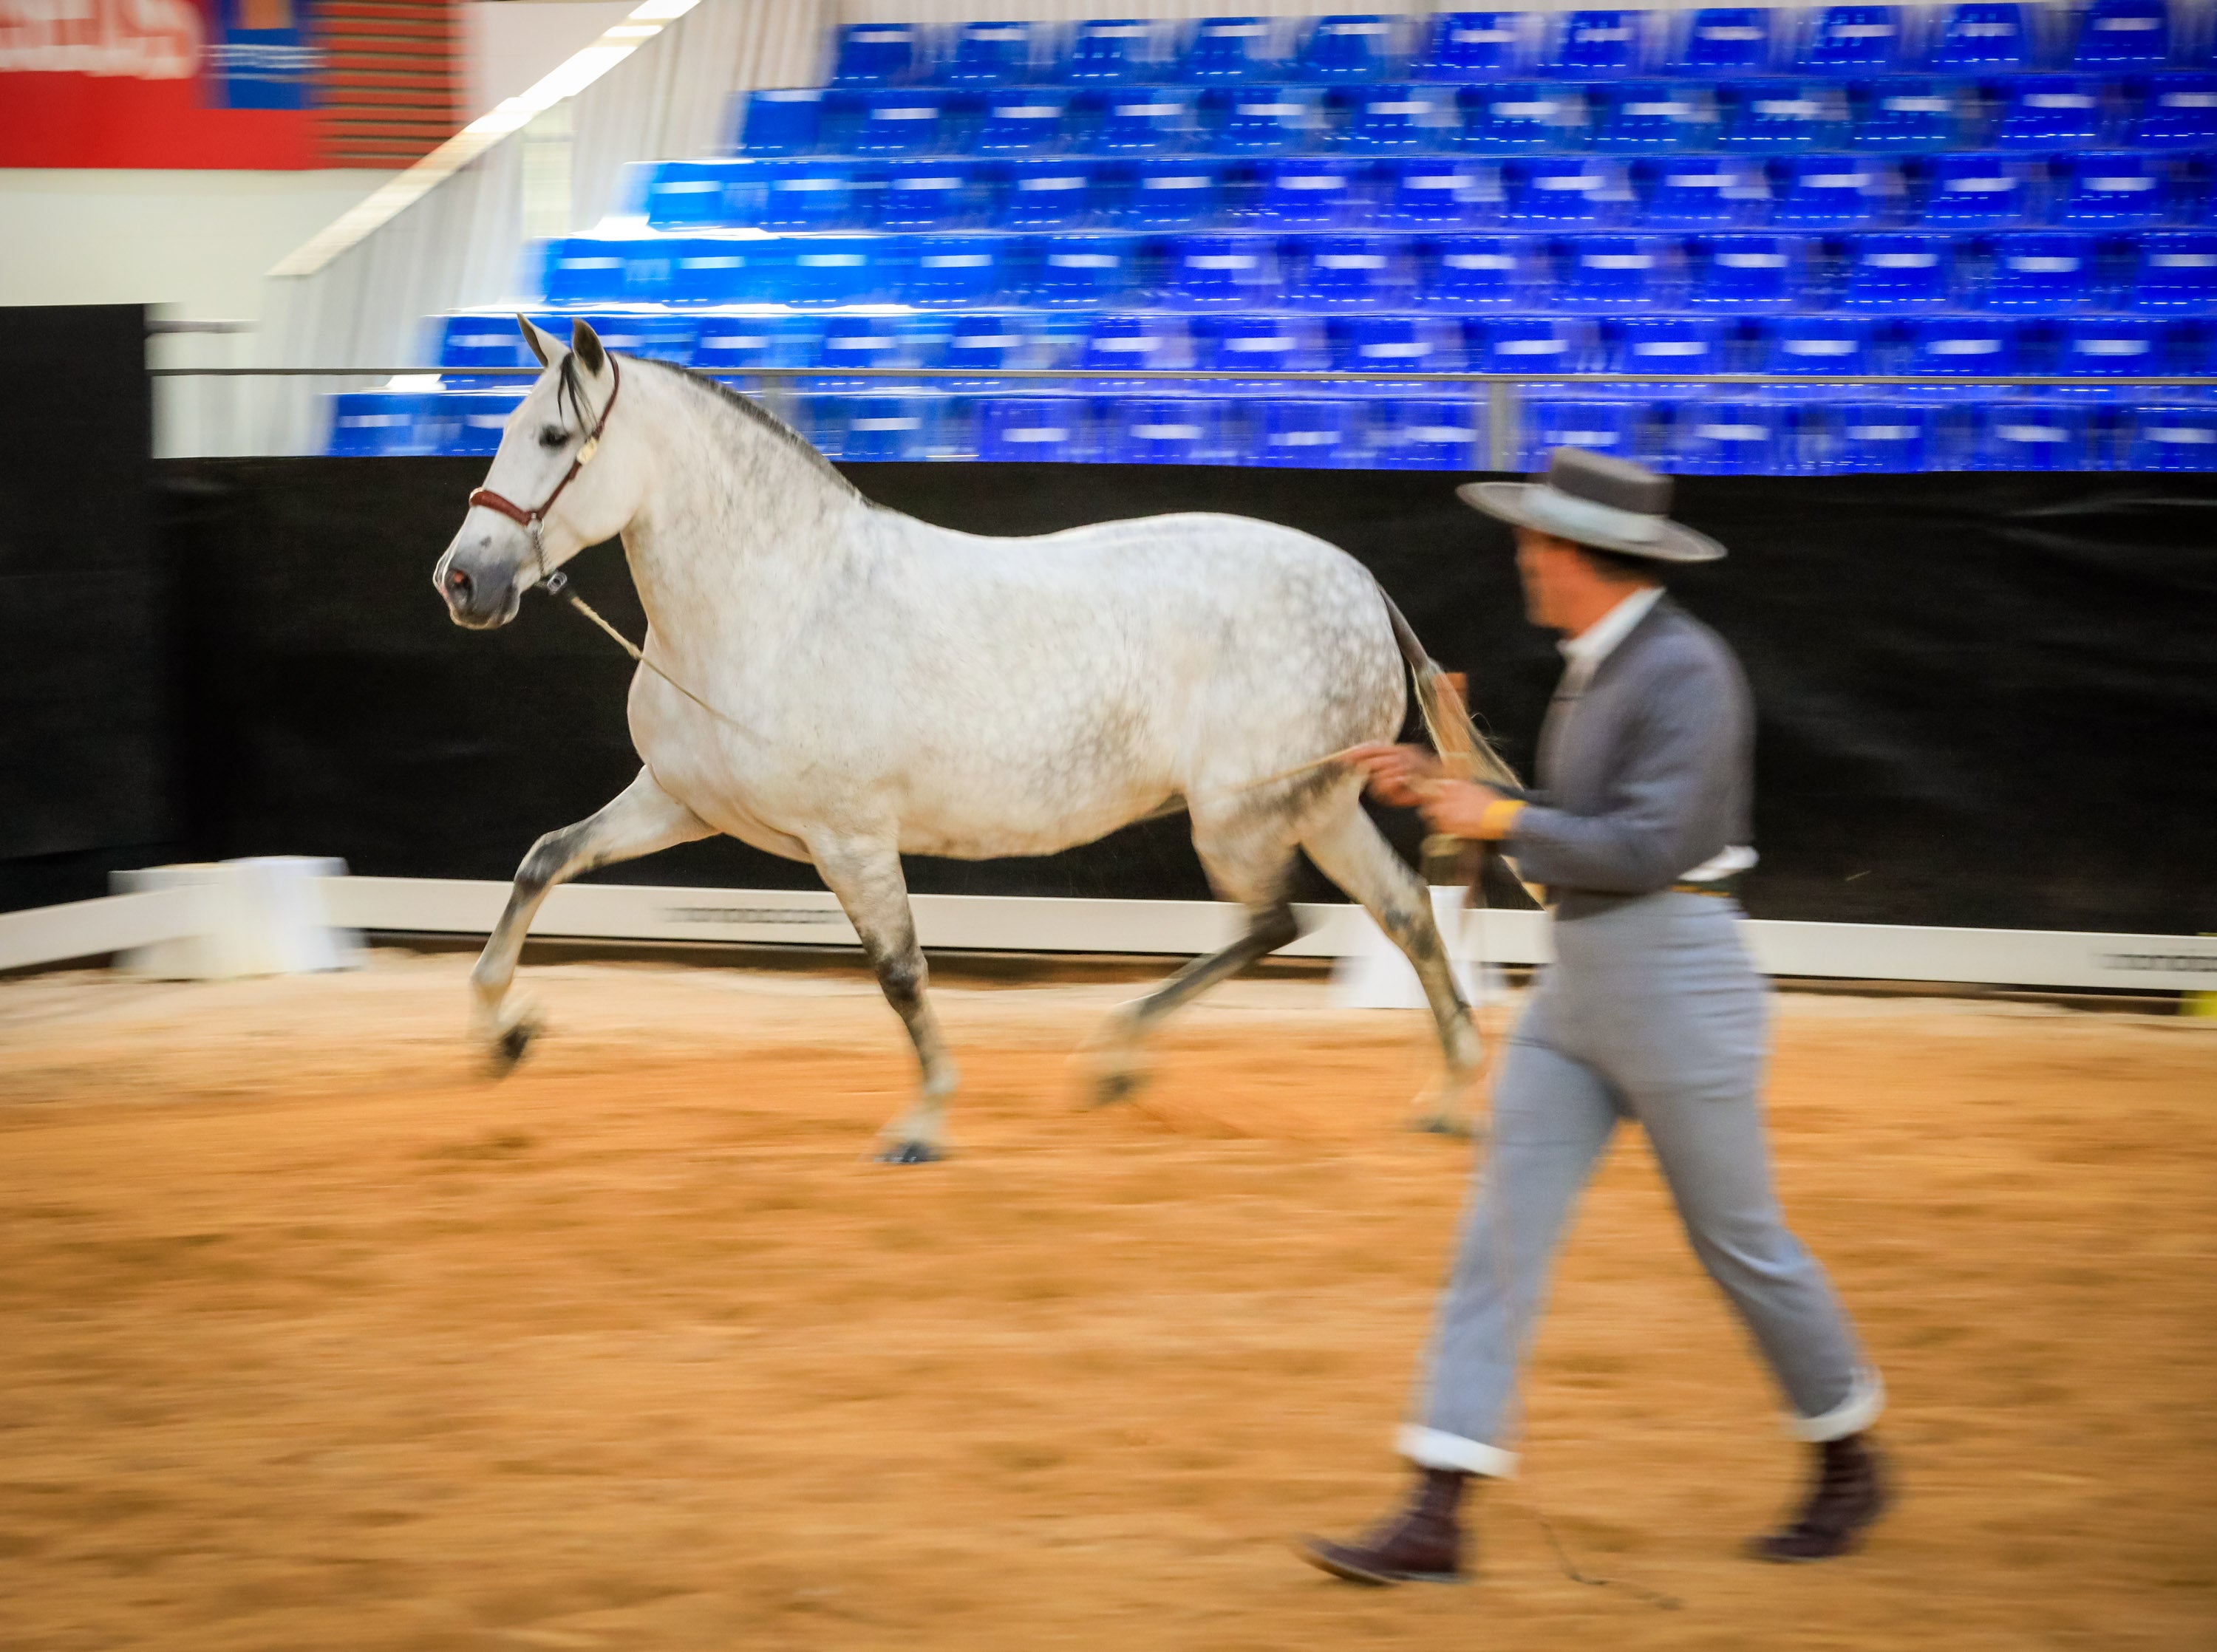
(1833, 192)
(809, 195)
(2053, 112)
(954, 270)
(1653, 116)
(1257, 342)
(1745, 274)
(1897, 273)
(1145, 120)
(1111, 51)
(1344, 272)
(1031, 428)
(1169, 195)
(2113, 192)
(2176, 273)
(1306, 193)
(653, 335)
(1129, 340)
(584, 269)
(1570, 191)
(1058, 192)
(1233, 49)
(988, 54)
(1430, 433)
(1163, 430)
(787, 120)
(1216, 271)
(864, 340)
(1391, 116)
(480, 419)
(2117, 34)
(1982, 37)
(908, 121)
(2037, 273)
(1597, 423)
(390, 423)
(1607, 273)
(1085, 271)
(1466, 273)
(735, 343)
(2172, 436)
(1915, 116)
(686, 194)
(1598, 43)
(1531, 345)
(2032, 434)
(982, 340)
(1894, 436)
(933, 194)
(1816, 344)
(1854, 40)
(828, 270)
(1974, 192)
(1392, 344)
(881, 426)
(1473, 46)
(1686, 344)
(2178, 112)
(1306, 432)
(1781, 116)
(2115, 346)
(1701, 192)
(706, 270)
(491, 341)
(1260, 120)
(1523, 117)
(876, 54)
(1436, 193)
(1978, 346)
(1023, 120)
(1347, 46)
(1726, 40)
(1752, 435)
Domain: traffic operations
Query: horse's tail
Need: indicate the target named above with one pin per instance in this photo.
(1446, 718)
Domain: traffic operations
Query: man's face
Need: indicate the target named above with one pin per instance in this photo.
(1547, 565)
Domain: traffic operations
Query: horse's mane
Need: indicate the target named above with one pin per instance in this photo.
(751, 410)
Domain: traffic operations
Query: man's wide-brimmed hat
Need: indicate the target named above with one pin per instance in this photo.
(1590, 498)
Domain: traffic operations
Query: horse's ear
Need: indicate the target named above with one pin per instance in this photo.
(544, 344)
(587, 343)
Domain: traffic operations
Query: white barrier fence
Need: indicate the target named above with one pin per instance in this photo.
(284, 916)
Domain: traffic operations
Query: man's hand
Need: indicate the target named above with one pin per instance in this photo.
(1460, 809)
(1402, 776)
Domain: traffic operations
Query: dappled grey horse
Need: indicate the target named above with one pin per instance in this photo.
(834, 681)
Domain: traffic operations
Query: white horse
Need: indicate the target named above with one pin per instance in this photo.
(834, 681)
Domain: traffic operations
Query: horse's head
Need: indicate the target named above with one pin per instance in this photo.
(565, 477)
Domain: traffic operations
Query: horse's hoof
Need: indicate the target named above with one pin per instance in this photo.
(509, 1047)
(1110, 1089)
(911, 1153)
(1441, 1124)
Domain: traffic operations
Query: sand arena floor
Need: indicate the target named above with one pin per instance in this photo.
(311, 1338)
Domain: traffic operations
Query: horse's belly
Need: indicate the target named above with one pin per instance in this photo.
(972, 827)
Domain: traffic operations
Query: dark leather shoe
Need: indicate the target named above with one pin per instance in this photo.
(1848, 1494)
(1421, 1545)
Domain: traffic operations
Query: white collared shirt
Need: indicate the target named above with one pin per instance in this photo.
(1585, 652)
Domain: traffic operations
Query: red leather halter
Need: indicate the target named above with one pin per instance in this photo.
(529, 520)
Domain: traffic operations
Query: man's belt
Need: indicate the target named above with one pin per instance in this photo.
(1725, 889)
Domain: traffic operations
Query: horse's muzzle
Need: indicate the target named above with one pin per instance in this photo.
(480, 591)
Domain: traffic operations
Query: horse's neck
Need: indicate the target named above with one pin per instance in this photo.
(740, 526)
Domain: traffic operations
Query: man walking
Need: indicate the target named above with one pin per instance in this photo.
(1651, 1013)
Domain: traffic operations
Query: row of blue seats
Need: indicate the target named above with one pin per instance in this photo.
(2106, 189)
(1732, 434)
(2046, 111)
(2156, 274)
(1252, 341)
(1469, 45)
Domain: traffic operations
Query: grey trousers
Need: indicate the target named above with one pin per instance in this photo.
(1652, 1011)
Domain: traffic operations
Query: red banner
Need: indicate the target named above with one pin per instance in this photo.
(155, 83)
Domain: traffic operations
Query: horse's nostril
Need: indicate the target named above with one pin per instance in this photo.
(458, 581)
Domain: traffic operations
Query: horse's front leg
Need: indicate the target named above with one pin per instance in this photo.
(867, 878)
(641, 819)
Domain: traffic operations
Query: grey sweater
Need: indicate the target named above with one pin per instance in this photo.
(1644, 775)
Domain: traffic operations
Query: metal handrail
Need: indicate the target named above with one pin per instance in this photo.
(1318, 376)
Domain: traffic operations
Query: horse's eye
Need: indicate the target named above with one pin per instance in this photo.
(553, 436)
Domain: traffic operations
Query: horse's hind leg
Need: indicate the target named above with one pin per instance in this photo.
(1348, 849)
(1251, 866)
(641, 819)
(867, 878)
